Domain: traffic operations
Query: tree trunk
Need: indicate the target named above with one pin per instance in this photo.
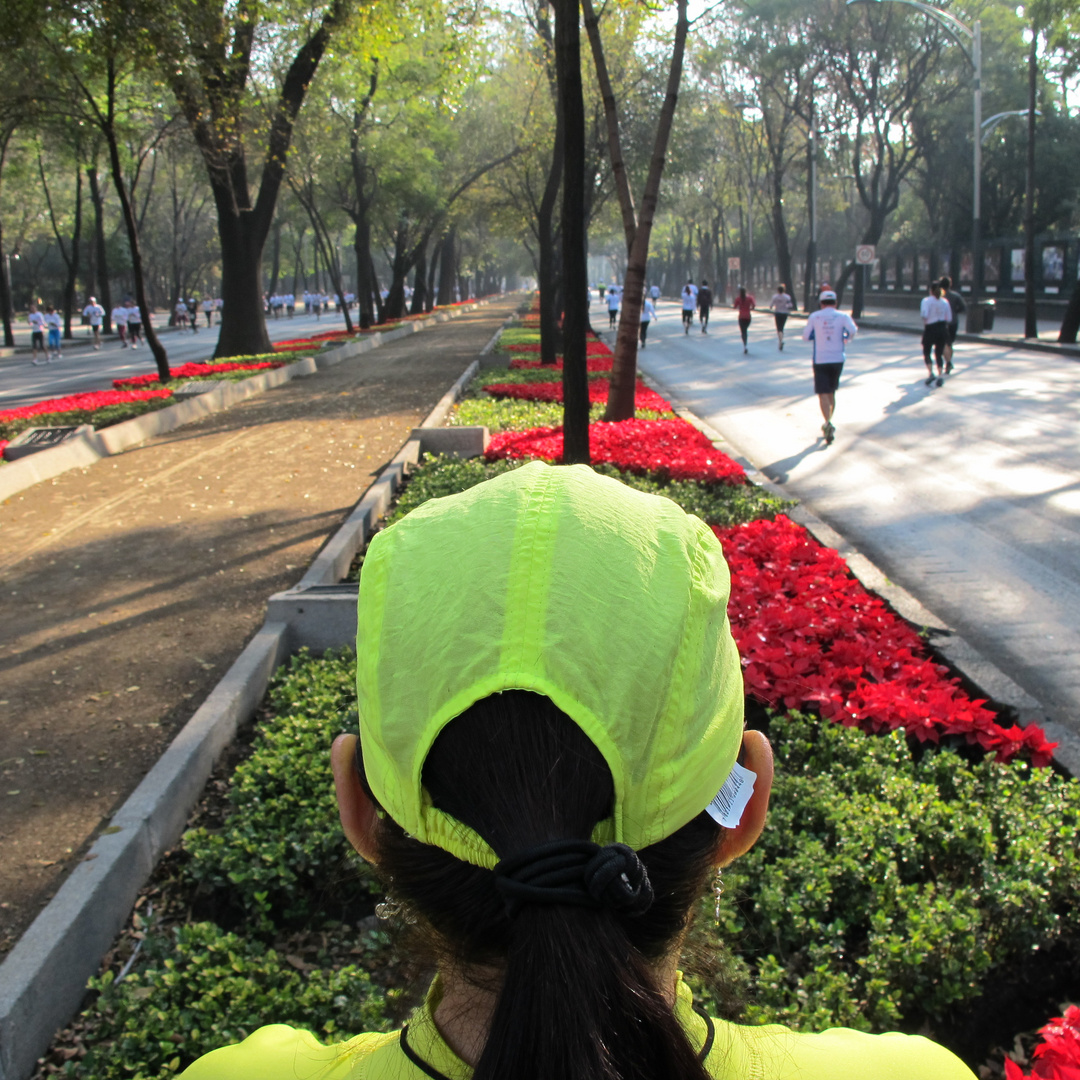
(1031, 329)
(548, 270)
(622, 390)
(243, 321)
(161, 357)
(5, 296)
(275, 265)
(429, 300)
(446, 267)
(575, 275)
(1070, 325)
(376, 295)
(72, 281)
(780, 234)
(419, 296)
(365, 309)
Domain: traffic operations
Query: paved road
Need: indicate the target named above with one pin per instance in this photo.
(967, 495)
(81, 369)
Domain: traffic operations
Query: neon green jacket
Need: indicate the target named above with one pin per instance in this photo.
(738, 1052)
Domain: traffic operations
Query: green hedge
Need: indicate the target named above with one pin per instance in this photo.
(280, 856)
(197, 988)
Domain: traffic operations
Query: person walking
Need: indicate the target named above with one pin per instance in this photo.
(689, 305)
(180, 314)
(744, 304)
(936, 316)
(957, 307)
(830, 330)
(704, 303)
(94, 313)
(37, 334)
(612, 306)
(548, 778)
(208, 310)
(53, 323)
(134, 324)
(782, 306)
(654, 293)
(119, 320)
(648, 313)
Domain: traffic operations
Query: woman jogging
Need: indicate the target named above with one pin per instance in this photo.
(744, 304)
(648, 313)
(782, 305)
(551, 767)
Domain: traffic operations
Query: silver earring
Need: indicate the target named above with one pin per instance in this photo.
(718, 891)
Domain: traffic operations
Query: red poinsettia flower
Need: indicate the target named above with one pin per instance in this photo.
(194, 371)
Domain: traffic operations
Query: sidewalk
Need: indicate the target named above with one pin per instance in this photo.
(130, 587)
(1006, 332)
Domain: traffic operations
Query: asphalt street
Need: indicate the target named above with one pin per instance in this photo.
(81, 369)
(967, 495)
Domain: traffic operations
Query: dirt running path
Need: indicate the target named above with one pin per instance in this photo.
(127, 589)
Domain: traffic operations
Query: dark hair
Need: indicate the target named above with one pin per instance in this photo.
(946, 281)
(579, 998)
(742, 291)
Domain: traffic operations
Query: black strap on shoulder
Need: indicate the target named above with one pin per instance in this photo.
(416, 1059)
(710, 1037)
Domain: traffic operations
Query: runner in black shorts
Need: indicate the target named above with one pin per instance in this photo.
(781, 304)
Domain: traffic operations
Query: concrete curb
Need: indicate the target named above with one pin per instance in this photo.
(85, 450)
(987, 678)
(43, 979)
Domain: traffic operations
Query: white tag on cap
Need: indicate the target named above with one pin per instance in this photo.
(730, 802)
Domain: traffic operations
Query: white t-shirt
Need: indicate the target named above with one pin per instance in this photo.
(53, 320)
(782, 303)
(119, 316)
(612, 300)
(654, 292)
(36, 321)
(208, 305)
(95, 313)
(935, 309)
(648, 310)
(829, 330)
(689, 297)
(134, 315)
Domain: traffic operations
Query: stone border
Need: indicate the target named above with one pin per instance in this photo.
(43, 979)
(80, 452)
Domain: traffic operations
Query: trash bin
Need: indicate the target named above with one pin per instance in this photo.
(988, 307)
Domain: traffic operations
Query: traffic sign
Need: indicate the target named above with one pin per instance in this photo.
(734, 262)
(864, 254)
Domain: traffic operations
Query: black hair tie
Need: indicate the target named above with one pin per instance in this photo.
(575, 872)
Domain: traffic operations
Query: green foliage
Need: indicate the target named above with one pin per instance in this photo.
(512, 414)
(281, 852)
(100, 418)
(887, 892)
(518, 335)
(521, 375)
(720, 504)
(199, 988)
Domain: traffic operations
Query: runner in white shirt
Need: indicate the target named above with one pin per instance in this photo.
(689, 304)
(782, 305)
(37, 333)
(654, 293)
(53, 322)
(134, 323)
(648, 313)
(829, 330)
(208, 310)
(119, 320)
(95, 313)
(936, 316)
(612, 306)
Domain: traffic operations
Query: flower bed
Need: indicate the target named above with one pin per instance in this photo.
(667, 448)
(810, 634)
(184, 372)
(100, 408)
(644, 398)
(592, 363)
(1057, 1057)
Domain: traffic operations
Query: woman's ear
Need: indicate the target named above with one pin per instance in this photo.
(757, 757)
(358, 816)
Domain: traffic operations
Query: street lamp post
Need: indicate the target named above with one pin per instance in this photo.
(973, 51)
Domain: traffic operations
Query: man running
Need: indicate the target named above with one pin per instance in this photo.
(782, 305)
(612, 306)
(829, 330)
(704, 303)
(936, 316)
(94, 312)
(689, 304)
(53, 322)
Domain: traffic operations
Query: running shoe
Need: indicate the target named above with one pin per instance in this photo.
(829, 432)
(929, 380)
(948, 368)
(940, 381)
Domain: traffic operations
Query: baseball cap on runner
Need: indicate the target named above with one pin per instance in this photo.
(552, 579)
(827, 294)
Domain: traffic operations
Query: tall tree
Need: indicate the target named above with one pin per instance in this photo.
(218, 58)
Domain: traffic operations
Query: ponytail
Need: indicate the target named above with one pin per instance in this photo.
(579, 996)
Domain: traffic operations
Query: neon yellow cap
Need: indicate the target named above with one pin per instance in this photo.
(609, 601)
